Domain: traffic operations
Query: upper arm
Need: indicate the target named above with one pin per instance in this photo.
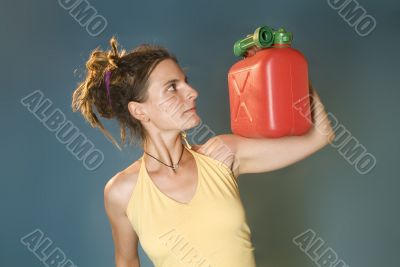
(256, 155)
(124, 236)
(263, 155)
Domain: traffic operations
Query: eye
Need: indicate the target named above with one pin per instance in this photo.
(173, 85)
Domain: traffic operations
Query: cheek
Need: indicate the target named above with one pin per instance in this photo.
(167, 113)
(171, 106)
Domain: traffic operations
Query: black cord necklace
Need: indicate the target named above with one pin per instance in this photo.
(175, 166)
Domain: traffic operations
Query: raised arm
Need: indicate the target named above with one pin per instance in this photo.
(256, 155)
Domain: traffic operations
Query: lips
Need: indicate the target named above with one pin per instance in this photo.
(193, 108)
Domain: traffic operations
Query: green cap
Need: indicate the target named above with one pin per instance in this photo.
(281, 36)
(262, 37)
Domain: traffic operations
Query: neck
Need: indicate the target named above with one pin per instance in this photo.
(167, 147)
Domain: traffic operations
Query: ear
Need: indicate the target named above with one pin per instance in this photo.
(137, 110)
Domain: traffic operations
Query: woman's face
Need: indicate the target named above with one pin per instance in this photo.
(170, 98)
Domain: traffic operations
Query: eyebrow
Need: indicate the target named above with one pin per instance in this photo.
(174, 81)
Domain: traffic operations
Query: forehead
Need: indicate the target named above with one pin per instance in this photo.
(164, 71)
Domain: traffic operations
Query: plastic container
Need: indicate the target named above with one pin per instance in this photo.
(266, 89)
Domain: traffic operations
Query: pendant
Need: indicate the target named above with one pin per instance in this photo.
(175, 166)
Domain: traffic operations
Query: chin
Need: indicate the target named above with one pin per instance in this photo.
(191, 122)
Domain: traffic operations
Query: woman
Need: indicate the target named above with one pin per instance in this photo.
(182, 202)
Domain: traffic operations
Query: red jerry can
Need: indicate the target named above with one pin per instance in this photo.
(269, 91)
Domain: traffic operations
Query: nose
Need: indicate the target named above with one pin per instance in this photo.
(192, 93)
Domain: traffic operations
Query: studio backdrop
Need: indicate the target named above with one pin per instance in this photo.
(339, 206)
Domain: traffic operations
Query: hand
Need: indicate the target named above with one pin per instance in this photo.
(320, 118)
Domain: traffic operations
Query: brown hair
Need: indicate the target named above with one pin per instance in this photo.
(129, 82)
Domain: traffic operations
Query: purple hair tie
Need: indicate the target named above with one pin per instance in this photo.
(107, 78)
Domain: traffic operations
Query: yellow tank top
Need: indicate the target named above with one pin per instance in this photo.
(209, 231)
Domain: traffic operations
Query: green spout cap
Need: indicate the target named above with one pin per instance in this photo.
(263, 37)
(281, 36)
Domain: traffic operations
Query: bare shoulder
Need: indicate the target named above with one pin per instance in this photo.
(118, 189)
(221, 148)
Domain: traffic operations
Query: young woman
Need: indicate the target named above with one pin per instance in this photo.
(182, 202)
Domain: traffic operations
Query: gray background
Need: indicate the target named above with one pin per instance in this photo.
(43, 186)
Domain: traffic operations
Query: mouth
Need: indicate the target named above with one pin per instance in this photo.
(191, 109)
